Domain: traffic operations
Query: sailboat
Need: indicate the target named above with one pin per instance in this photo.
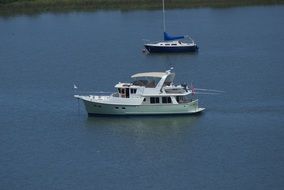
(171, 43)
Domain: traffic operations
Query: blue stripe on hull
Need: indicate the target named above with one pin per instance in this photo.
(156, 49)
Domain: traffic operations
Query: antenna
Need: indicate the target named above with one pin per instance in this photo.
(164, 16)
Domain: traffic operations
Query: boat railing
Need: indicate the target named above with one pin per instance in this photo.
(186, 101)
(94, 93)
(140, 91)
(116, 94)
(98, 97)
(189, 39)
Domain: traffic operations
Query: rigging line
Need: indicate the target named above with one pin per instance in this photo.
(212, 90)
(207, 93)
(99, 92)
(164, 16)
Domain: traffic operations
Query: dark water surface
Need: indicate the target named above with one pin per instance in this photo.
(47, 143)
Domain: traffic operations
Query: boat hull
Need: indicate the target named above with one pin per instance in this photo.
(165, 49)
(95, 108)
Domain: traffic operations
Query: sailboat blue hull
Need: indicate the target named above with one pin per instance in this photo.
(163, 49)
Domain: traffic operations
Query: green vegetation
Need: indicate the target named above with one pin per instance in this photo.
(22, 6)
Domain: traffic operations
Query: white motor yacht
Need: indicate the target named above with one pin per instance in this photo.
(150, 93)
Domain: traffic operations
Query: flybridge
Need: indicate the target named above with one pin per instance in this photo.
(153, 79)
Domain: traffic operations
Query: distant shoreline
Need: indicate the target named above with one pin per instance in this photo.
(31, 6)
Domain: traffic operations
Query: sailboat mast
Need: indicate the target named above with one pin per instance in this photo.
(164, 19)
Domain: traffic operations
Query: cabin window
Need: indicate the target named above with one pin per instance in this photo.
(127, 92)
(144, 100)
(166, 100)
(181, 99)
(154, 100)
(124, 92)
(173, 44)
(178, 99)
(167, 44)
(157, 100)
(119, 90)
(133, 90)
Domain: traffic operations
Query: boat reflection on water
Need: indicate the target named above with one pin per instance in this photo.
(143, 125)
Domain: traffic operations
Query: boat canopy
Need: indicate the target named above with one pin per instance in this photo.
(167, 37)
(152, 79)
(150, 74)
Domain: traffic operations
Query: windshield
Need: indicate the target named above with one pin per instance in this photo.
(149, 82)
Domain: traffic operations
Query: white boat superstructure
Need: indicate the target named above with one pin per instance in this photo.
(149, 93)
